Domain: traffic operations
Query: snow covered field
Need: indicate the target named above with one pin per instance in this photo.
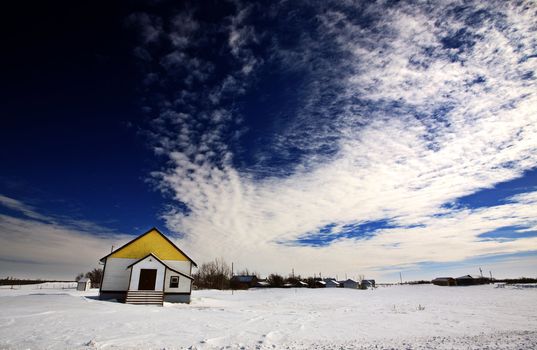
(400, 317)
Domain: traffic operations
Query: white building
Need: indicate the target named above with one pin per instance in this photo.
(149, 269)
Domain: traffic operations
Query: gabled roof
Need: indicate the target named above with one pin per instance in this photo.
(144, 234)
(469, 277)
(163, 263)
(331, 280)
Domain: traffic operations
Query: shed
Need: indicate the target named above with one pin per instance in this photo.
(319, 284)
(331, 283)
(368, 284)
(350, 283)
(243, 281)
(83, 284)
(262, 284)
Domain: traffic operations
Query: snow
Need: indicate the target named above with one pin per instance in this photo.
(400, 317)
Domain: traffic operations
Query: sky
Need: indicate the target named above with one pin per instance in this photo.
(326, 137)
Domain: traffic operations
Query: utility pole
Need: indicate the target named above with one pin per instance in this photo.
(112, 249)
(231, 285)
(481, 272)
(401, 277)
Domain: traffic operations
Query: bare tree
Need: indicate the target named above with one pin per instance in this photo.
(213, 275)
(275, 280)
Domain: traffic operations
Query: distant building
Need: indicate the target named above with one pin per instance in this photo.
(83, 284)
(262, 284)
(331, 283)
(368, 284)
(295, 284)
(466, 280)
(150, 269)
(350, 283)
(319, 284)
(444, 281)
(243, 281)
(471, 280)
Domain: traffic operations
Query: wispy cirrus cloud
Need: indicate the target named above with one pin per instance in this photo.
(399, 110)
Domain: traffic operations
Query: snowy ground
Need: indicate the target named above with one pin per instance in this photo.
(399, 317)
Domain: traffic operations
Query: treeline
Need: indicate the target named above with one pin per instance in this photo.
(417, 282)
(516, 280)
(13, 281)
(217, 274)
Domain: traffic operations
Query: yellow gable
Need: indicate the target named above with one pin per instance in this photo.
(152, 242)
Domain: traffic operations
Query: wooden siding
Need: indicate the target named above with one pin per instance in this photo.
(184, 283)
(116, 275)
(181, 266)
(148, 263)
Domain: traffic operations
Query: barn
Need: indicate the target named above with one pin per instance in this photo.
(150, 269)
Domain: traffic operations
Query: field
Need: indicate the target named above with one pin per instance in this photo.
(398, 317)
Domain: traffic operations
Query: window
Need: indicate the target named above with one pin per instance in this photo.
(174, 282)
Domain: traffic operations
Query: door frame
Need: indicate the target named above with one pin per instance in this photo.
(154, 273)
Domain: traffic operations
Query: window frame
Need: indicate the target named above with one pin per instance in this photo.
(174, 284)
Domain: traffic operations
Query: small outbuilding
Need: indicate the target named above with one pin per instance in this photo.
(243, 281)
(319, 284)
(262, 284)
(331, 283)
(368, 284)
(83, 284)
(350, 283)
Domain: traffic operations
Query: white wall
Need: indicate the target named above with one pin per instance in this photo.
(116, 274)
(181, 266)
(184, 283)
(148, 263)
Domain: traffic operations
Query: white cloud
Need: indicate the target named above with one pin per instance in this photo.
(395, 156)
(19, 206)
(40, 246)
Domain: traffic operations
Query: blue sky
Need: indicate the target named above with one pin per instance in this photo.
(334, 137)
